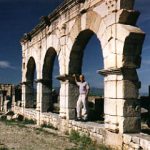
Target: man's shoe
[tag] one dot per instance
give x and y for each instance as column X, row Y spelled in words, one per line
column 78, row 119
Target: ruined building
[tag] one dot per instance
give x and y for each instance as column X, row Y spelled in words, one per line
column 64, row 33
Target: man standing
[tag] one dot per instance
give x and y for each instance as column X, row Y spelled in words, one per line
column 82, row 100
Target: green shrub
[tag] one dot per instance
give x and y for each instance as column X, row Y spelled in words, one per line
column 28, row 121
column 49, row 125
column 84, row 142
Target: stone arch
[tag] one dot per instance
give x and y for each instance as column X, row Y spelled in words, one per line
column 30, row 81
column 48, row 66
column 47, row 83
column 121, row 43
column 114, row 23
column 30, row 69
column 76, row 62
column 76, row 55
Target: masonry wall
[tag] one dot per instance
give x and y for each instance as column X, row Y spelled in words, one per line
column 95, row 131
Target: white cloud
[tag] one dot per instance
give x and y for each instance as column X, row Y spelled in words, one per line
column 6, row 64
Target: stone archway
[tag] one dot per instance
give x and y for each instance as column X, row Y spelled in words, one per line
column 30, row 97
column 47, row 83
column 114, row 23
column 76, row 62
column 121, row 48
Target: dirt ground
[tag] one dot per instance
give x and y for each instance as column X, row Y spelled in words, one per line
column 28, row 138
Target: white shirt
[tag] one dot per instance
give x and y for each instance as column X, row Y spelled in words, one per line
column 83, row 87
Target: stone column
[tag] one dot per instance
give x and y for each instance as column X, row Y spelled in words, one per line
column 13, row 102
column 5, row 104
column 121, row 107
column 63, row 70
column 39, row 102
column 44, row 100
column 13, row 98
column 68, row 99
column 72, row 100
column 63, row 98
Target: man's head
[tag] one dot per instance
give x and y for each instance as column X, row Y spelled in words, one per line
column 82, row 78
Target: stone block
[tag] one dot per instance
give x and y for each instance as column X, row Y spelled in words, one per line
column 110, row 107
column 105, row 38
column 111, row 123
column 63, row 40
column 125, row 31
column 70, row 24
column 83, row 21
column 144, row 143
column 122, row 16
column 133, row 61
column 70, row 113
column 114, row 46
column 135, row 146
column 110, row 89
column 110, row 77
column 102, row 29
column 127, row 89
column 129, row 124
column 113, row 139
column 127, row 139
column 120, row 4
column 9, row 117
column 128, row 108
column 101, row 10
column 110, row 61
column 122, row 108
column 136, row 139
column 75, row 29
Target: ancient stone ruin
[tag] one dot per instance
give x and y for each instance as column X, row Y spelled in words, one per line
column 64, row 34
column 9, row 95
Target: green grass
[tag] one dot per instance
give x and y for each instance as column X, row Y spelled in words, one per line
column 49, row 125
column 84, row 142
column 3, row 148
column 18, row 123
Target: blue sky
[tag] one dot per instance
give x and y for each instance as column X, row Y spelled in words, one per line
column 20, row 16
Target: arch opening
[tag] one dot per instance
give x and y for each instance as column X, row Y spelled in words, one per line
column 31, row 88
column 86, row 58
column 50, row 86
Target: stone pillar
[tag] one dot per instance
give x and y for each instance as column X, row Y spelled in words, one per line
column 63, row 60
column 13, row 98
column 72, row 100
column 63, row 98
column 121, row 107
column 39, row 102
column 68, row 99
column 44, row 99
column 13, row 102
column 5, row 107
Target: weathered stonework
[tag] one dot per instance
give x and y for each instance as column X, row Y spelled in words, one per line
column 64, row 34
column 7, row 95
column 97, row 132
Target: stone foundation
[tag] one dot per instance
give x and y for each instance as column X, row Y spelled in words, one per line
column 95, row 131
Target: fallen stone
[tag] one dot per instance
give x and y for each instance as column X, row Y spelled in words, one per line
column 20, row 117
column 10, row 113
column 9, row 117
